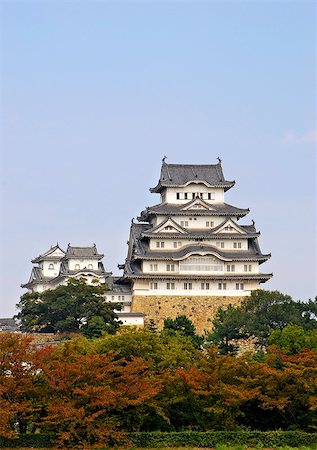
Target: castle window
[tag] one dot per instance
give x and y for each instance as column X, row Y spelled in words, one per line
column 193, row 195
column 170, row 286
column 160, row 244
column 77, row 266
column 122, row 297
column 231, row 268
column 221, row 244
column 153, row 285
column 177, row 196
column 153, row 267
column 240, row 286
column 188, row 286
column 201, row 264
column 211, row 196
column 209, row 224
column 184, row 223
column 51, row 267
column 248, row 267
column 222, row 286
column 237, row 245
column 175, row 244
column 185, row 195
column 170, row 267
column 90, row 266
column 204, row 286
column 112, row 298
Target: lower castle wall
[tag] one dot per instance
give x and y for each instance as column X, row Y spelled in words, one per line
column 200, row 310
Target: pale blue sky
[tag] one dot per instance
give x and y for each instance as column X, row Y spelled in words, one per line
column 94, row 94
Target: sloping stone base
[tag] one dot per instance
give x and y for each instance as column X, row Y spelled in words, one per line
column 200, row 310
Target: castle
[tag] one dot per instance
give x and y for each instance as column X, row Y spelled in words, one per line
column 187, row 255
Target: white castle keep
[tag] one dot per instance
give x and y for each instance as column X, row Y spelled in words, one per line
column 189, row 245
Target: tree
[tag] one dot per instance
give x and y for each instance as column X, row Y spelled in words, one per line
column 258, row 315
column 184, row 327
column 88, row 395
column 75, row 307
column 293, row 339
column 19, row 389
column 228, row 326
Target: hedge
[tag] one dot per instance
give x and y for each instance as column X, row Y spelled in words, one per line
column 29, row 440
column 213, row 438
column 271, row 439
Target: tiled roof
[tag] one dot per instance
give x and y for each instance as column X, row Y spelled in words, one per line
column 173, row 175
column 118, row 286
column 217, row 209
column 249, row 231
column 82, row 252
column 238, row 255
column 139, row 248
column 48, row 255
column 8, row 324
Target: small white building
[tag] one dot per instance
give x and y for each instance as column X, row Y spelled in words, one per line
column 54, row 267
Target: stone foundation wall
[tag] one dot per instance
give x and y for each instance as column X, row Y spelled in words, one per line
column 200, row 310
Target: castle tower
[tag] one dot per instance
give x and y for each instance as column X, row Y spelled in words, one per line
column 56, row 266
column 189, row 255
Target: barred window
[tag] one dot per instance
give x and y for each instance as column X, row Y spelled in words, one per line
column 201, row 264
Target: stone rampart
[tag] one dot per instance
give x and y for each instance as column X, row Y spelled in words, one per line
column 200, row 310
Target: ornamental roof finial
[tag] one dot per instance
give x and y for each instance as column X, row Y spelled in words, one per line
column 219, row 159
column 163, row 160
column 253, row 223
column 132, row 220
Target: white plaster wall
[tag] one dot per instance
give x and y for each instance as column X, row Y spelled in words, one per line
column 51, row 273
column 198, row 222
column 196, row 289
column 239, row 267
column 130, row 321
column 169, row 244
column 83, row 263
column 119, row 298
column 161, row 266
column 170, row 193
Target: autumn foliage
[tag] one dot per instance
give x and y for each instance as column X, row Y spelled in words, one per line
column 90, row 393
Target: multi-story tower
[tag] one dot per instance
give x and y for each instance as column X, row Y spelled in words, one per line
column 189, row 255
column 56, row 266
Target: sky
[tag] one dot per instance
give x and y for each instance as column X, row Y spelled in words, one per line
column 94, row 94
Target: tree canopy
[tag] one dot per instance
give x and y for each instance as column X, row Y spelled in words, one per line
column 74, row 307
column 184, row 327
column 258, row 315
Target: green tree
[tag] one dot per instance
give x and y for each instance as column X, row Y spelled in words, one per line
column 75, row 307
column 258, row 315
column 228, row 326
column 184, row 327
column 293, row 339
